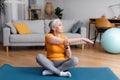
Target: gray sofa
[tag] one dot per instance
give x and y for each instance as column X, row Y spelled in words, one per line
column 38, row 28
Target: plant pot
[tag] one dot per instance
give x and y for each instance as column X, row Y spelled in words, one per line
column 59, row 16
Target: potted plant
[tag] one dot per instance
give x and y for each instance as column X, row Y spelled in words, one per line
column 58, row 12
column 2, row 7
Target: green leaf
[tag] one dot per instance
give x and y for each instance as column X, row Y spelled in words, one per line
column 58, row 10
column 2, row 7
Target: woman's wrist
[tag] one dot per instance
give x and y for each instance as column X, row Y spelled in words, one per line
column 66, row 47
column 82, row 39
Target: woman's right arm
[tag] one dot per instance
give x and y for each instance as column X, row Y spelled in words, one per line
column 57, row 40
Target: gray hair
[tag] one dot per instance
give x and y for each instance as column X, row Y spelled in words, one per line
column 53, row 24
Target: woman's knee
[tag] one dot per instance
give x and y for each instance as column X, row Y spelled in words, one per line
column 74, row 60
column 39, row 57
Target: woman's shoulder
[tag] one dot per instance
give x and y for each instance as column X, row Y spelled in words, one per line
column 48, row 35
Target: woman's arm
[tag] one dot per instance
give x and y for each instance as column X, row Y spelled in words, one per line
column 57, row 40
column 68, row 51
column 73, row 40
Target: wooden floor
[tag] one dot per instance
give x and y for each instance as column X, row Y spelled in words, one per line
column 89, row 57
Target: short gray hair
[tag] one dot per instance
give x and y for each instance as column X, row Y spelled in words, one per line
column 53, row 22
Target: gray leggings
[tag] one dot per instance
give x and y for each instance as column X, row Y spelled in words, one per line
column 56, row 66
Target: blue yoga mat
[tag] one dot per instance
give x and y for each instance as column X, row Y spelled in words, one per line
column 8, row 72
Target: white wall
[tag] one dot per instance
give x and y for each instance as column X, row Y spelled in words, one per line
column 85, row 9
column 40, row 4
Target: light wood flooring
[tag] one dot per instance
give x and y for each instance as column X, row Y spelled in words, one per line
column 89, row 57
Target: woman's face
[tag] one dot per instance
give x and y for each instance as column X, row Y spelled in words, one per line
column 59, row 27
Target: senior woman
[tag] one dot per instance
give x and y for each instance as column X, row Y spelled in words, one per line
column 59, row 59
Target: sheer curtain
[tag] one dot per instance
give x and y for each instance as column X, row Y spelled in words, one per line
column 16, row 10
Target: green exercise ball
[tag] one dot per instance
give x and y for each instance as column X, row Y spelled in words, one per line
column 110, row 40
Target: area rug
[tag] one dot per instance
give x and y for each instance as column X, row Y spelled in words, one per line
column 8, row 72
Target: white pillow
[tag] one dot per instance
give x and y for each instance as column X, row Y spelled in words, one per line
column 12, row 28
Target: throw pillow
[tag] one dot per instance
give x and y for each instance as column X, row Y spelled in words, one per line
column 22, row 28
column 12, row 28
column 76, row 27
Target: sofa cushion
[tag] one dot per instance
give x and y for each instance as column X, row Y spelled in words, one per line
column 12, row 28
column 67, row 25
column 36, row 26
column 22, row 28
column 72, row 35
column 76, row 26
column 27, row 38
column 46, row 28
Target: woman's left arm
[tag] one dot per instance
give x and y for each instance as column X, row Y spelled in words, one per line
column 67, row 43
column 68, row 51
column 67, row 48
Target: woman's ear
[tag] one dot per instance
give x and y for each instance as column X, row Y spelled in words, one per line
column 53, row 28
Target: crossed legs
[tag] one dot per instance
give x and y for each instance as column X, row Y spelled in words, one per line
column 56, row 67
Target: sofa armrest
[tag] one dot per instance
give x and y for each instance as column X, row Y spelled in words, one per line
column 83, row 32
column 6, row 34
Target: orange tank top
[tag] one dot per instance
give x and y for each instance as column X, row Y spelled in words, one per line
column 55, row 51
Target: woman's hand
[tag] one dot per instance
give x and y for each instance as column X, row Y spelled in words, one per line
column 88, row 41
column 66, row 42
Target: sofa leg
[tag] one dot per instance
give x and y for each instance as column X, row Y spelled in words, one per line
column 7, row 51
column 83, row 46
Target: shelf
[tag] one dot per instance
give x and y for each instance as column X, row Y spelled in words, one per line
column 35, row 14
